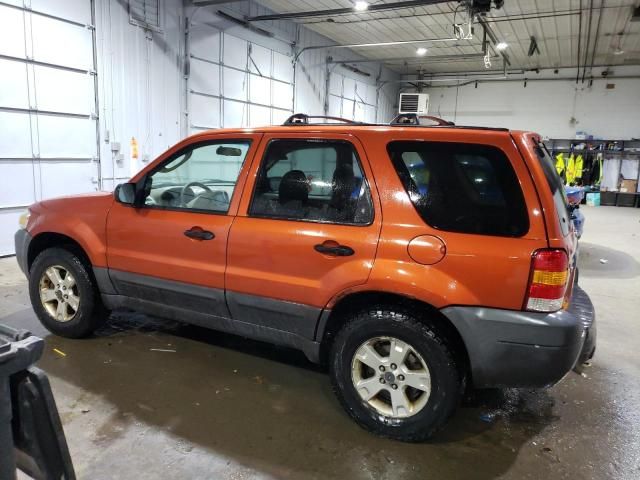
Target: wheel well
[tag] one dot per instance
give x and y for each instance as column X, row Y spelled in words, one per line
column 425, row 312
column 49, row 239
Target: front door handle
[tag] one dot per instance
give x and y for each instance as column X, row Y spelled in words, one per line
column 334, row 248
column 198, row 233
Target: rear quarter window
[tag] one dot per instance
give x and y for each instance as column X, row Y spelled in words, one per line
column 555, row 185
column 462, row 187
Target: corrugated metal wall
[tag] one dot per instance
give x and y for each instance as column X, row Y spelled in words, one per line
column 139, row 85
column 160, row 86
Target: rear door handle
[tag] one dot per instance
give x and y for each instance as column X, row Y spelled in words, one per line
column 198, row 233
column 333, row 248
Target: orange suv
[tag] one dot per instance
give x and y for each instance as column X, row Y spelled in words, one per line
column 413, row 260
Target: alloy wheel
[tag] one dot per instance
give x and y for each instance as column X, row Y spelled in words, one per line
column 59, row 293
column 391, row 377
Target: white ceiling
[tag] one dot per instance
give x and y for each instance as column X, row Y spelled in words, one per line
column 554, row 23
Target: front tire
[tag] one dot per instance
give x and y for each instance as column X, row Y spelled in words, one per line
column 395, row 374
column 64, row 295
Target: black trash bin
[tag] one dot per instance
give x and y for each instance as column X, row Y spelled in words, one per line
column 31, row 435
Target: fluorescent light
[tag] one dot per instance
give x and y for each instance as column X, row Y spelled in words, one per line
column 360, row 6
column 501, row 46
column 421, row 51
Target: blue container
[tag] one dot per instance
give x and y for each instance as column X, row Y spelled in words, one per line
column 574, row 194
column 593, row 199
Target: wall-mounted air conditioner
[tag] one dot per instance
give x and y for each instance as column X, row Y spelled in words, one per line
column 417, row 103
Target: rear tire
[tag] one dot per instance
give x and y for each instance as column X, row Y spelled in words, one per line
column 64, row 295
column 397, row 410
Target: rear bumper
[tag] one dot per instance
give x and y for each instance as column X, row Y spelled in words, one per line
column 525, row 349
column 582, row 308
column 22, row 240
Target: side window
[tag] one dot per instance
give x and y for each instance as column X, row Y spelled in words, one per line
column 313, row 180
column 556, row 186
column 462, row 187
column 202, row 178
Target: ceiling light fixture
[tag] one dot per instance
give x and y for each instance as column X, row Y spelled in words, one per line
column 360, row 6
column 501, row 46
column 421, row 51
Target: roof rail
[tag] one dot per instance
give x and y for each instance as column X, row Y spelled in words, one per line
column 303, row 119
column 414, row 119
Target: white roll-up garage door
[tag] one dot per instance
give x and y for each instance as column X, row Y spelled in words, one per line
column 48, row 135
column 235, row 83
column 352, row 99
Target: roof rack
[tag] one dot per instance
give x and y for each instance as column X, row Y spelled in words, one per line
column 414, row 119
column 303, row 119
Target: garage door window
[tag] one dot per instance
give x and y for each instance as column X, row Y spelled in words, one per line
column 462, row 187
column 319, row 181
column 202, row 178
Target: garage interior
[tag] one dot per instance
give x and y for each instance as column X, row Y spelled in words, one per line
column 92, row 91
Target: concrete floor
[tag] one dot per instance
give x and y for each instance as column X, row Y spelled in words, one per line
column 225, row 407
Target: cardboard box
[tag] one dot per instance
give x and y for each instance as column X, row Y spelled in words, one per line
column 629, row 186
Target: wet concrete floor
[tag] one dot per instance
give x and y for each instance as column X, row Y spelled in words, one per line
column 223, row 407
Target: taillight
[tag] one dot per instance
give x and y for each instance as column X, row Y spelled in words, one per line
column 548, row 281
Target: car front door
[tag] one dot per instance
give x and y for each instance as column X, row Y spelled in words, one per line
column 171, row 250
column 307, row 229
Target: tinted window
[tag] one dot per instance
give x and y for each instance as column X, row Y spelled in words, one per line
column 462, row 187
column 201, row 178
column 312, row 180
column 555, row 185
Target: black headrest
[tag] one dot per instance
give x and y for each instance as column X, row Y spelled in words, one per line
column 343, row 185
column 293, row 186
column 343, row 172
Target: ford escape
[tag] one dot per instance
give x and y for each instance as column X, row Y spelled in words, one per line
column 414, row 261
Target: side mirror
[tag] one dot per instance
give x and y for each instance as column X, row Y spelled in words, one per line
column 125, row 193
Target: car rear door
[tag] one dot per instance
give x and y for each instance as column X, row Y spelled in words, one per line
column 172, row 250
column 307, row 229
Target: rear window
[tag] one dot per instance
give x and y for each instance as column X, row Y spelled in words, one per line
column 555, row 184
column 462, row 187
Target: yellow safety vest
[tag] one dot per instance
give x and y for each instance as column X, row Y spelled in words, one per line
column 571, row 169
column 578, row 167
column 560, row 163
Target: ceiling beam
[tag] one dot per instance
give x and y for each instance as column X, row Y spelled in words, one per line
column 426, row 59
column 205, row 3
column 375, row 44
column 492, row 36
column 341, row 11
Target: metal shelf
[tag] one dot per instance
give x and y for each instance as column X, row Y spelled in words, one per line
column 607, row 154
